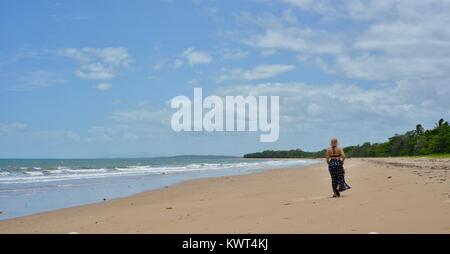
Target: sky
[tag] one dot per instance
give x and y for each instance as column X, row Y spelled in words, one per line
column 89, row 79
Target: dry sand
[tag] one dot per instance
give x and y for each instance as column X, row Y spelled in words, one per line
column 387, row 196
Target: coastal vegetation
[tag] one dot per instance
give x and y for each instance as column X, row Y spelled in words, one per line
column 417, row 142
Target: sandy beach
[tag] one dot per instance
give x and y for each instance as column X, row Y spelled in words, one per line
column 389, row 195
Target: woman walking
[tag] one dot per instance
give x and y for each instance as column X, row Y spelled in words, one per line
column 335, row 160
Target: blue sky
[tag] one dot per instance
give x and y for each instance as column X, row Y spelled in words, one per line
column 93, row 78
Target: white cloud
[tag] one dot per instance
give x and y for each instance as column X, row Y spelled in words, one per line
column 401, row 47
column 132, row 125
column 103, row 86
column 98, row 63
column 177, row 63
column 236, row 54
column 194, row 57
column 35, row 80
column 160, row 65
column 189, row 56
column 393, row 40
column 257, row 73
column 11, row 127
column 365, row 10
column 350, row 109
column 324, row 7
column 96, row 71
column 296, row 38
column 371, row 10
column 194, row 83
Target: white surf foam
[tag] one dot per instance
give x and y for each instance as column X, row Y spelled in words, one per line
column 66, row 173
column 34, row 173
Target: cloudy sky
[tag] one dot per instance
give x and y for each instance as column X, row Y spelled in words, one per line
column 94, row 78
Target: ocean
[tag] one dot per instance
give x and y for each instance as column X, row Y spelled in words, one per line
column 29, row 186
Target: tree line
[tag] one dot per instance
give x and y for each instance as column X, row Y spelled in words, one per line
column 414, row 142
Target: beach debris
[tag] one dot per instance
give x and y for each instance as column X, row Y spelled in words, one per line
column 73, row 233
column 169, row 208
column 287, row 204
column 389, row 177
column 373, row 233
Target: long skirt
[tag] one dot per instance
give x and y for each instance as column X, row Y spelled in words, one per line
column 337, row 175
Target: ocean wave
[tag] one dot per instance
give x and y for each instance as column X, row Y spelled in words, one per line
column 48, row 178
column 55, row 171
column 67, row 173
column 82, row 171
column 34, row 173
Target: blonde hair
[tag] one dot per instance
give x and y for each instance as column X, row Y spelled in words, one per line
column 334, row 142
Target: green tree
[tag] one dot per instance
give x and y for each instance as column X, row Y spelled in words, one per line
column 414, row 142
column 419, row 129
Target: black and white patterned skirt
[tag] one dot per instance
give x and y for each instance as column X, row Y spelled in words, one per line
column 337, row 175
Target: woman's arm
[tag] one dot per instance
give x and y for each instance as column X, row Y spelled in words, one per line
column 328, row 156
column 342, row 155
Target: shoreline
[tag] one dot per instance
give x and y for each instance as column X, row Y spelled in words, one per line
column 387, row 194
column 136, row 185
column 183, row 182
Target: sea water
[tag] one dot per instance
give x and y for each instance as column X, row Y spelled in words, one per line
column 29, row 186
